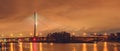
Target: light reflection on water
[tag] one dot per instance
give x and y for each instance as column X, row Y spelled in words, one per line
column 21, row 46
column 105, row 46
column 102, row 46
column 115, row 47
column 41, row 47
column 34, row 47
column 84, row 47
column 95, row 47
column 31, row 47
column 11, row 46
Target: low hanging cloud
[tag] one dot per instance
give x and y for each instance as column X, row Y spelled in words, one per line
column 68, row 15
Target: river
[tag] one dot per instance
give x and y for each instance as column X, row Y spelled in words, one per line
column 101, row 46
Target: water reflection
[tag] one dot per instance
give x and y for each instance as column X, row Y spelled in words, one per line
column 31, row 47
column 95, row 47
column 3, row 47
column 84, row 47
column 11, row 46
column 34, row 47
column 21, row 47
column 74, row 49
column 41, row 47
column 105, row 48
column 115, row 47
column 51, row 44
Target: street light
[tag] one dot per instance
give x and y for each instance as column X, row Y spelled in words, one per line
column 21, row 34
column 11, row 35
column 105, row 34
column 84, row 34
column 2, row 35
column 95, row 34
column 73, row 33
column 31, row 34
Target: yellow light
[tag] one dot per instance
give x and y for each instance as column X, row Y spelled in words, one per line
column 95, row 47
column 105, row 47
column 105, row 34
column 95, row 33
column 74, row 49
column 21, row 34
column 84, row 34
column 31, row 47
column 21, row 47
column 31, row 34
column 84, row 47
column 51, row 44
column 11, row 46
column 36, row 34
column 41, row 47
column 11, row 35
column 2, row 35
column 40, row 34
column 73, row 33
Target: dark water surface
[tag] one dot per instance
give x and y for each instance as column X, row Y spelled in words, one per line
column 101, row 46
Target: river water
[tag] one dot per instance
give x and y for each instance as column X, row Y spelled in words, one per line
column 101, row 46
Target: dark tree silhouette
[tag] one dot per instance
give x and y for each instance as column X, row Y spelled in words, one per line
column 112, row 37
column 118, row 36
column 59, row 37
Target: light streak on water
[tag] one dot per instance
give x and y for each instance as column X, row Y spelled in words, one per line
column 11, row 47
column 34, row 47
column 95, row 47
column 74, row 49
column 2, row 47
column 41, row 46
column 84, row 47
column 105, row 46
column 115, row 47
column 21, row 46
column 31, row 47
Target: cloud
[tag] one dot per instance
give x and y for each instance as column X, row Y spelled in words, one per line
column 78, row 15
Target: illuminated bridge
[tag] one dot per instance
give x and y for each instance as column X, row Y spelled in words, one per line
column 44, row 39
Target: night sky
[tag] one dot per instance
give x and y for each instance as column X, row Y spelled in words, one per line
column 57, row 15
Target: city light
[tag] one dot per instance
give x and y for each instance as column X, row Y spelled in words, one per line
column 59, row 25
column 2, row 35
column 21, row 46
column 40, row 34
column 31, row 46
column 84, row 34
column 105, row 34
column 21, row 34
column 11, row 47
column 31, row 34
column 73, row 33
column 95, row 48
column 105, row 46
column 41, row 46
column 95, row 34
column 34, row 39
column 84, row 47
column 51, row 44
column 74, row 49
column 11, row 35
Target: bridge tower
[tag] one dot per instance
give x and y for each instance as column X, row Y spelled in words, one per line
column 35, row 23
